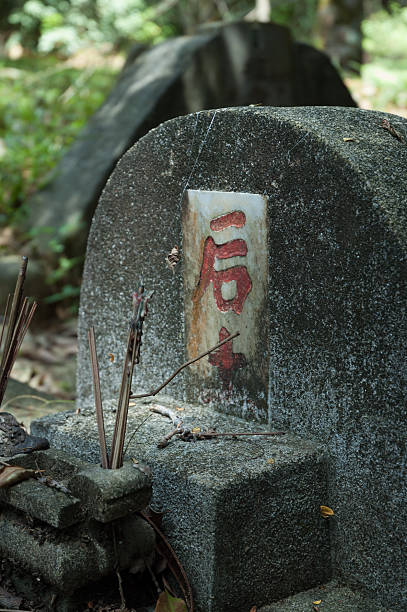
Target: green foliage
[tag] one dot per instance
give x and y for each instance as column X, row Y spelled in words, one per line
column 43, row 105
column 385, row 44
column 385, row 34
column 64, row 26
column 299, row 17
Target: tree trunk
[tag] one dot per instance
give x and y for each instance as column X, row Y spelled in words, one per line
column 339, row 25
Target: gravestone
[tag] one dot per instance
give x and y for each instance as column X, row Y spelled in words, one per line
column 321, row 312
column 225, row 65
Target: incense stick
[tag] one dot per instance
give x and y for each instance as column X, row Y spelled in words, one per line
column 17, row 318
column 98, row 399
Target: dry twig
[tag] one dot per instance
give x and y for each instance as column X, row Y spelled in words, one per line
column 169, row 554
column 187, row 435
column 184, row 365
column 386, row 125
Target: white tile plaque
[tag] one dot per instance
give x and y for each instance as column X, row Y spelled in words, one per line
column 225, row 248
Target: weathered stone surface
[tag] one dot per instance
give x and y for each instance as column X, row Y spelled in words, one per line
column 333, row 597
column 69, row 561
column 111, row 494
column 225, row 65
column 242, row 514
column 337, row 190
column 14, row 439
column 44, row 503
column 105, row 495
column 47, row 530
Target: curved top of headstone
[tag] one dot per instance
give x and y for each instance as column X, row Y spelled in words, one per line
column 230, row 64
column 336, row 186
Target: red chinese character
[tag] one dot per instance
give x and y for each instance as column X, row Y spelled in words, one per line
column 238, row 274
column 225, row 359
column 237, row 218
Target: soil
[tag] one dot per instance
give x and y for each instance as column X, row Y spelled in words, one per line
column 47, row 363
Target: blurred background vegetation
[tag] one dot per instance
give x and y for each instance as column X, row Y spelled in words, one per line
column 60, row 58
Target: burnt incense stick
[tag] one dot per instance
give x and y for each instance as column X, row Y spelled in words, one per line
column 17, row 318
column 140, row 309
column 98, row 399
column 15, row 308
column 3, row 326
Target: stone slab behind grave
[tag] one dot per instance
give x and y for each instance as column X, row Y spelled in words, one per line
column 225, row 65
column 336, row 187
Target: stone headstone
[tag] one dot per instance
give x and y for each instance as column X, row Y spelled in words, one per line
column 225, row 65
column 332, row 335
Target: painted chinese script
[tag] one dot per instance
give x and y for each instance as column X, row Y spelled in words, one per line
column 239, row 274
column 224, row 358
column 226, row 279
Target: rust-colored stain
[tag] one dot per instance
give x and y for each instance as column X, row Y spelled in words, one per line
column 222, row 294
column 197, row 321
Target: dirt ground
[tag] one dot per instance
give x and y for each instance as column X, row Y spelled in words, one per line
column 46, row 362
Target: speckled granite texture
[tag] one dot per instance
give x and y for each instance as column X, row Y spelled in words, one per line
column 337, row 188
column 242, row 514
column 331, row 597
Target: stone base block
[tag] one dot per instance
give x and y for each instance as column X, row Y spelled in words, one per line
column 60, row 530
column 331, row 597
column 242, row 513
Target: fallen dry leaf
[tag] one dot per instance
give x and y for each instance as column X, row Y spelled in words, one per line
column 9, row 600
column 179, row 408
column 270, row 461
column 348, row 140
column 317, row 602
column 167, row 603
column 196, row 430
column 12, row 474
column 388, row 126
column 326, row 511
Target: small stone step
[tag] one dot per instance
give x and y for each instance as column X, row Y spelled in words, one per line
column 331, row 597
column 243, row 513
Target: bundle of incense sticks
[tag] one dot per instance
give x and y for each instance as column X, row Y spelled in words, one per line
column 17, row 318
column 140, row 302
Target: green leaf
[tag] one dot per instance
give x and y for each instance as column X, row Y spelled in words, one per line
column 167, row 603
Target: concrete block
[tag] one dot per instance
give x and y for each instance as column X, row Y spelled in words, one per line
column 61, row 531
column 241, row 513
column 111, row 494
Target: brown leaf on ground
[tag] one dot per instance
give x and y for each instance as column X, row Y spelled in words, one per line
column 167, row 603
column 326, row 511
column 12, row 474
column 9, row 600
